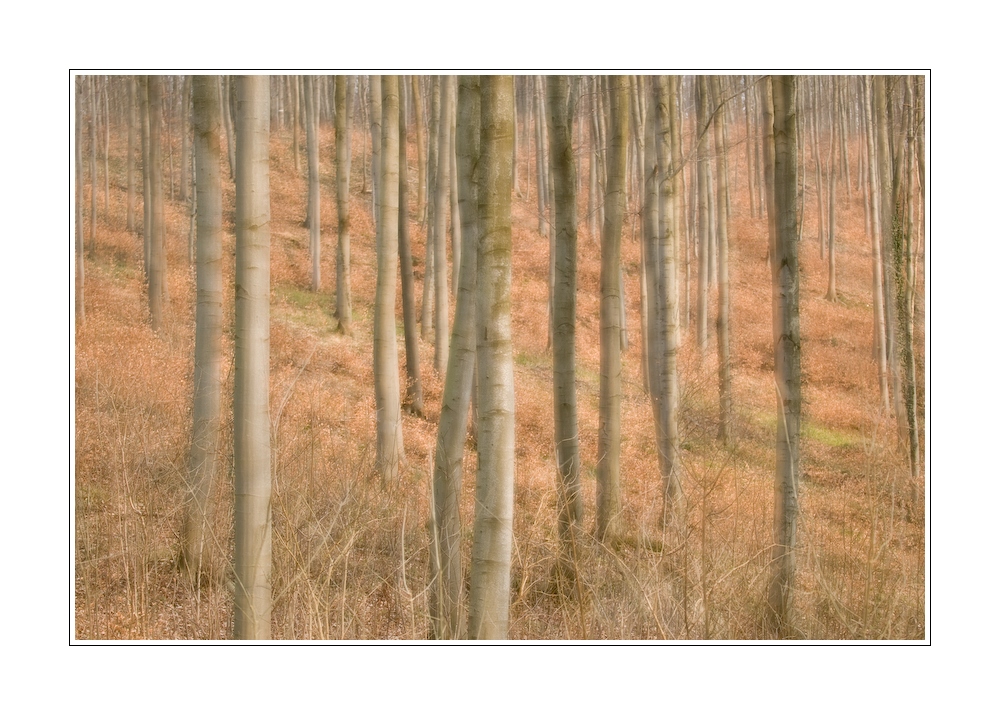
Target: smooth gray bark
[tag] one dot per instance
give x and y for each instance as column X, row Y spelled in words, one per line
column 492, row 538
column 312, row 152
column 208, row 326
column 787, row 356
column 251, row 415
column 567, row 437
column 722, row 324
column 414, row 401
column 446, row 562
column 441, row 208
column 156, row 252
column 343, row 125
column 81, row 314
column 388, row 420
column 609, row 433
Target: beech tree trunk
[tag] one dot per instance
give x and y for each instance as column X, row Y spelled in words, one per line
column 414, row 401
column 343, row 124
column 446, row 562
column 492, row 538
column 208, row 327
column 388, row 420
column 701, row 102
column 426, row 308
column 722, row 324
column 81, row 314
column 609, row 435
column 130, row 159
column 418, row 119
column 312, row 151
column 441, row 208
column 251, row 417
column 787, row 356
column 156, row 252
column 567, row 439
column 185, row 178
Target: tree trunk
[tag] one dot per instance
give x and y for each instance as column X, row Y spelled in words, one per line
column 389, row 425
column 722, row 325
column 787, row 356
column 81, row 314
column 107, row 146
column 704, row 249
column 343, row 123
column 414, row 401
column 251, row 419
column 130, row 159
column 426, row 308
column 146, row 201
column 492, row 538
column 312, row 151
column 418, row 119
column 208, row 327
column 225, row 98
column 609, row 435
column 446, row 562
column 92, row 86
column 156, row 253
column 878, row 299
column 569, row 497
column 296, row 103
column 441, row 208
column 185, row 144
column 831, row 280
column 375, row 109
column 456, row 222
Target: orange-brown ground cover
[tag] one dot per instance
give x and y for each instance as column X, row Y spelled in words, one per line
column 350, row 554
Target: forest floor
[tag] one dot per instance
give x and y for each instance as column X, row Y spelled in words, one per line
column 350, row 555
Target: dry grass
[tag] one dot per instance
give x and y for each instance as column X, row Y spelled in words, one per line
column 350, row 557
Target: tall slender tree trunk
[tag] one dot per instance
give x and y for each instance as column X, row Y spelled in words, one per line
column 701, row 106
column 831, row 280
column 426, row 308
column 312, row 151
column 196, row 548
column 456, row 222
column 143, row 87
column 389, row 424
column 569, row 497
column 787, row 356
column 722, row 324
column 107, row 145
column 418, row 126
column 882, row 108
column 81, row 314
column 375, row 109
column 225, row 98
column 414, row 400
column 92, row 86
column 130, row 159
column 156, row 252
column 185, row 131
column 252, row 425
column 343, row 125
column 492, row 538
column 441, row 207
column 446, row 563
column 296, row 104
column 609, row 434
column 878, row 298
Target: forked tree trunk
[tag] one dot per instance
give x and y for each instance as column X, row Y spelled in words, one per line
column 156, row 252
column 492, row 538
column 388, row 420
column 787, row 356
column 609, row 434
column 446, row 563
column 569, row 497
column 208, row 328
column 344, row 93
column 252, row 426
